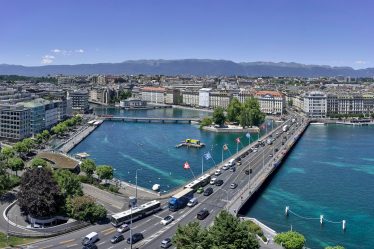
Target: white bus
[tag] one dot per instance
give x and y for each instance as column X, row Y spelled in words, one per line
column 199, row 182
column 136, row 213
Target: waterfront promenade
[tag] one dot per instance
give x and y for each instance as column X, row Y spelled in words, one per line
column 76, row 138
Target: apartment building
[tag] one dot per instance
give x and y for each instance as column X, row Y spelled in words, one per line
column 190, row 98
column 219, row 99
column 271, row 102
column 153, row 94
column 79, row 101
column 315, row 104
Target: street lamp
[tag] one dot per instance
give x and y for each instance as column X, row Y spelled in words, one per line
column 136, row 184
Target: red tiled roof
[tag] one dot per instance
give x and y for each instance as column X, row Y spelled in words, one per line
column 153, row 89
column 273, row 93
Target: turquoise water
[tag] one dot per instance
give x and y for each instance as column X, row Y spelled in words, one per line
column 151, row 147
column 330, row 172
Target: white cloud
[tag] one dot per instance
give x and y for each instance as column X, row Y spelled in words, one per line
column 47, row 59
column 56, row 50
column 79, row 51
column 360, row 62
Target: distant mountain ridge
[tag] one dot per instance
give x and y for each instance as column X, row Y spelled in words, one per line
column 198, row 67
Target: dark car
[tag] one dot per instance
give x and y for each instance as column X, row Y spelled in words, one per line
column 90, row 246
column 248, row 171
column 135, row 238
column 276, row 150
column 117, row 238
column 202, row 214
column 208, row 191
column 232, row 169
column 219, row 183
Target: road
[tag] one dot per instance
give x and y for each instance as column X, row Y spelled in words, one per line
column 150, row 226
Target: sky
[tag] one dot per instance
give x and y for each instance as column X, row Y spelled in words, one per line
column 323, row 32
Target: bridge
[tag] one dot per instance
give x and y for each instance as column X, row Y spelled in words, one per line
column 150, row 119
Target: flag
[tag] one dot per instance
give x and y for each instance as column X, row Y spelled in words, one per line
column 248, row 135
column 237, row 140
column 186, row 165
column 225, row 147
column 207, row 155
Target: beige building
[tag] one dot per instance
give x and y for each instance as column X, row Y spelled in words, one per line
column 153, row 94
column 219, row 99
column 190, row 98
column 271, row 102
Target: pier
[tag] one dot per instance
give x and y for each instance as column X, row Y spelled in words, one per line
column 150, row 119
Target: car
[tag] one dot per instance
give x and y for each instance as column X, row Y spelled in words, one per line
column 219, row 182
column 208, row 191
column 226, row 166
column 123, row 228
column 192, row 202
column 166, row 243
column 117, row 238
column 270, row 155
column 276, row 150
column 233, row 185
column 200, row 190
column 136, row 237
column 90, row 246
column 168, row 219
column 218, row 172
column 233, row 169
column 255, row 150
column 213, row 181
column 202, row 214
column 90, row 238
column 248, row 171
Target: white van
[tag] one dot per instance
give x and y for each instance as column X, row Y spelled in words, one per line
column 90, row 238
column 192, row 202
column 232, row 162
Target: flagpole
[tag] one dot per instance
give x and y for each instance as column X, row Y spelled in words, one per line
column 222, row 154
column 202, row 164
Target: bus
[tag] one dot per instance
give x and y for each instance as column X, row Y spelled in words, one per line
column 135, row 213
column 199, row 182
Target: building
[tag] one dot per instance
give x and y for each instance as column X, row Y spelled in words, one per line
column 315, row 104
column 204, row 97
column 271, row 102
column 79, row 101
column 173, row 97
column 12, row 95
column 132, row 103
column 190, row 98
column 350, row 104
column 14, row 122
column 221, row 99
column 153, row 94
column 103, row 95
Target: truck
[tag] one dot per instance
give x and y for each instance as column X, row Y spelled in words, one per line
column 180, row 199
column 285, row 128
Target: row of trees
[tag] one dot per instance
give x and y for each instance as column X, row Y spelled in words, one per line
column 246, row 114
column 66, row 125
column 45, row 193
column 227, row 232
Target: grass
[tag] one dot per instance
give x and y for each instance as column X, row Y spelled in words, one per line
column 14, row 241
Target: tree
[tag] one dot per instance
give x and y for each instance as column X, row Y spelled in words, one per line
column 8, row 152
column 219, row 116
column 228, row 232
column 191, row 236
column 68, row 183
column 39, row 138
column 20, row 147
column 16, row 163
column 84, row 208
column 251, row 113
column 39, row 194
column 334, row 247
column 45, row 135
column 290, row 240
column 37, row 161
column 28, row 143
column 105, row 172
column 206, row 122
column 233, row 110
column 88, row 166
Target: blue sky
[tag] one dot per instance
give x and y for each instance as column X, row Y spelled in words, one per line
column 328, row 32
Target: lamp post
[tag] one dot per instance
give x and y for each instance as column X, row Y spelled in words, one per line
column 136, row 184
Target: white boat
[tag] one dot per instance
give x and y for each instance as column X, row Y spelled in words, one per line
column 156, row 187
column 317, row 123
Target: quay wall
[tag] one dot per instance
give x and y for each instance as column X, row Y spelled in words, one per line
column 73, row 141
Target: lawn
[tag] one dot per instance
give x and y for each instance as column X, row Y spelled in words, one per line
column 13, row 241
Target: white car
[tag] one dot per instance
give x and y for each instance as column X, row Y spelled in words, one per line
column 226, row 166
column 213, row 181
column 218, row 172
column 123, row 228
column 168, row 219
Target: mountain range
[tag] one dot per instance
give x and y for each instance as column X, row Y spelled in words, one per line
column 198, row 67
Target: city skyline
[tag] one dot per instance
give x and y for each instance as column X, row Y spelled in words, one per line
column 335, row 33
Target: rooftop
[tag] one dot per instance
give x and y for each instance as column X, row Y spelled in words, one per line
column 59, row 161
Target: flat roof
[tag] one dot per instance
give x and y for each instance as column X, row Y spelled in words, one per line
column 58, row 160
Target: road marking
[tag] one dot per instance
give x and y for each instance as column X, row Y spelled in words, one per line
column 110, row 231
column 148, row 220
column 66, row 241
column 143, row 231
column 157, row 216
column 71, row 245
column 101, row 243
column 46, row 247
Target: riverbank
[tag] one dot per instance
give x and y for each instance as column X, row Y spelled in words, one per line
column 76, row 138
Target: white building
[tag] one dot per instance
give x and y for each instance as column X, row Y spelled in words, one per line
column 271, row 102
column 190, row 98
column 315, row 104
column 204, row 97
column 219, row 99
column 153, row 94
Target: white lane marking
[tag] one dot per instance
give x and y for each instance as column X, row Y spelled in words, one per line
column 101, row 243
column 143, row 231
column 158, row 216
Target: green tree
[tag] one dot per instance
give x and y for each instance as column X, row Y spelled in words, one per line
column 334, row 247
column 84, row 208
column 20, row 147
column 233, row 110
column 68, row 182
column 219, row 116
column 88, row 166
column 290, row 240
column 45, row 135
column 191, row 236
column 39, row 138
column 39, row 194
column 104, row 172
column 37, row 161
column 228, row 232
column 251, row 113
column 29, row 143
column 16, row 163
column 206, row 122
column 8, row 152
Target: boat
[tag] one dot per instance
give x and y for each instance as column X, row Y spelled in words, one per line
column 156, row 187
column 191, row 143
column 317, row 123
